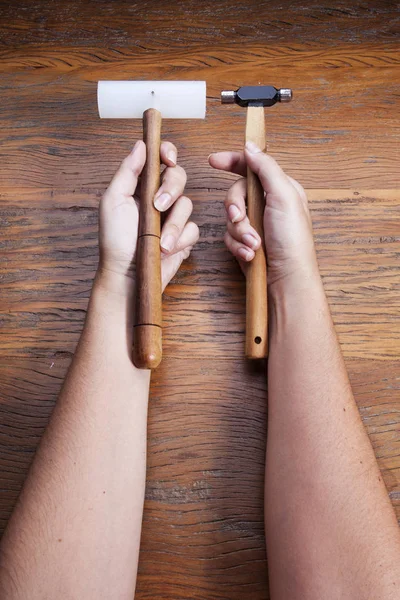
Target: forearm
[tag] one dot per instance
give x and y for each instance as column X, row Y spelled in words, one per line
column 326, row 504
column 76, row 530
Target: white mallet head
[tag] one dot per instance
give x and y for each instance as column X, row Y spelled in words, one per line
column 129, row 99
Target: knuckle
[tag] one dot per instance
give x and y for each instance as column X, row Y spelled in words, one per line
column 227, row 201
column 174, row 229
column 178, row 170
column 194, row 231
column 178, row 258
column 183, row 174
column 184, row 253
column 168, row 144
column 188, row 203
column 237, row 192
column 172, row 147
column 238, row 186
column 239, row 228
column 174, row 177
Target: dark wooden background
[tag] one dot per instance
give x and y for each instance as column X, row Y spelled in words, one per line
column 203, row 523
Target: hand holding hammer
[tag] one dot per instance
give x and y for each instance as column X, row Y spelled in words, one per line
column 150, row 101
column 256, row 98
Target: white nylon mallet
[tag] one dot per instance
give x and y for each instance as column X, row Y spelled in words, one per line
column 152, row 101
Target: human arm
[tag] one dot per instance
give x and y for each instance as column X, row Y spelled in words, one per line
column 331, row 531
column 75, row 531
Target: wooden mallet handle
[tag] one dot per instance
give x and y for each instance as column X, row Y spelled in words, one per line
column 147, row 339
column 256, row 279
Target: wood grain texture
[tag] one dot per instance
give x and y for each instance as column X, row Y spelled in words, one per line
column 147, row 339
column 203, row 530
column 149, row 218
column 50, row 125
column 153, row 24
column 256, row 344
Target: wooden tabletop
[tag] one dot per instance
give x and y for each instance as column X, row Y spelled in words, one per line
column 203, row 532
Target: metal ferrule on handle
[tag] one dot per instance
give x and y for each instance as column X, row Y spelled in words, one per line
column 147, row 344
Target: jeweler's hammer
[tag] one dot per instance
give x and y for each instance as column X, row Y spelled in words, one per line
column 256, row 98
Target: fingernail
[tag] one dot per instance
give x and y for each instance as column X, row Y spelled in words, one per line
column 252, row 147
column 171, row 155
column 167, row 242
column 162, row 202
column 246, row 254
column 250, row 240
column 135, row 146
column 233, row 213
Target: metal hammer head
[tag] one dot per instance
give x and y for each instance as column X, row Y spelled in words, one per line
column 256, row 95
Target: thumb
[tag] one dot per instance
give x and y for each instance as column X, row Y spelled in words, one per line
column 125, row 180
column 273, row 179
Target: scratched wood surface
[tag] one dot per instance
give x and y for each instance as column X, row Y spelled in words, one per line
column 203, row 523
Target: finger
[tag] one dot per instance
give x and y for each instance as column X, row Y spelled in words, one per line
column 170, row 265
column 239, row 250
column 173, row 184
column 168, row 153
column 243, row 232
column 125, row 180
column 235, row 201
column 229, row 161
column 175, row 223
column 190, row 235
column 273, row 179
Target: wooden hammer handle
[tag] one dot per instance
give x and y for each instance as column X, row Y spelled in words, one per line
column 256, row 279
column 147, row 345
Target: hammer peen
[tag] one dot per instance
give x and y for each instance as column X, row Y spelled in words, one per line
column 256, row 98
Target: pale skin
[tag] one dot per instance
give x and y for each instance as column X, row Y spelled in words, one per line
column 75, row 531
column 330, row 529
column 331, row 532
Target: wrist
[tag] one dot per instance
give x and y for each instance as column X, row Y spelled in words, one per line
column 113, row 298
column 113, row 283
column 111, row 313
column 296, row 279
column 293, row 298
column 109, row 325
